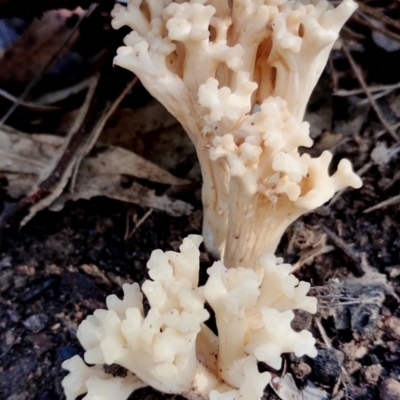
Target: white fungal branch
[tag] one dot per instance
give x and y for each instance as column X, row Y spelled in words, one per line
column 172, row 350
column 302, row 38
column 271, row 183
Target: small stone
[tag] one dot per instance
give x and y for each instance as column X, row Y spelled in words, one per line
column 5, row 262
column 360, row 352
column 66, row 352
column 394, row 272
column 9, row 338
column 353, row 350
column 389, row 389
column 301, row 321
column 301, row 370
column 372, row 374
column 352, row 366
column 40, row 341
column 327, row 366
column 393, row 346
column 115, row 370
column 35, row 323
column 393, row 328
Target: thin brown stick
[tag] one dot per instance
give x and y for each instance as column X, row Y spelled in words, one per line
column 26, row 104
column 340, row 244
column 49, row 63
column 372, row 89
column 376, row 96
column 373, row 12
column 323, row 333
column 361, row 80
column 365, row 21
column 140, row 222
column 383, row 131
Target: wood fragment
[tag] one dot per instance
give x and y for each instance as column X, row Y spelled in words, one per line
column 139, row 223
column 323, row 333
column 340, row 244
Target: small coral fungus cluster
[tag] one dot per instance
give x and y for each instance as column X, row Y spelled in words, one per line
column 237, row 74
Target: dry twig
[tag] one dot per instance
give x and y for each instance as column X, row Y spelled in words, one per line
column 50, row 62
column 372, row 89
column 139, row 223
column 388, row 202
column 373, row 12
column 340, row 244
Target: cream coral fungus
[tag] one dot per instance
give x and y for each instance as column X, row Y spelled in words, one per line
column 170, row 347
column 237, row 74
column 212, row 63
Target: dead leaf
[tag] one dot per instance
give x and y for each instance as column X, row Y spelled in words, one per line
column 88, row 186
column 286, row 389
column 35, row 48
column 26, row 159
column 152, row 133
column 115, row 160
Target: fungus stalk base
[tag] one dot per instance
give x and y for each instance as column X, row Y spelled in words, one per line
column 215, row 176
column 256, row 225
